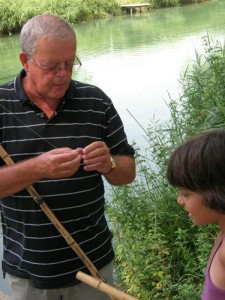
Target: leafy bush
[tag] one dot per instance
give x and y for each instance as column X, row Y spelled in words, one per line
column 14, row 13
column 160, row 254
column 165, row 3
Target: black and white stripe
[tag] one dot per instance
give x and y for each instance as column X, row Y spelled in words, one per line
column 33, row 248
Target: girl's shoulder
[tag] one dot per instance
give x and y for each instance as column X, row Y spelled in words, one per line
column 221, row 250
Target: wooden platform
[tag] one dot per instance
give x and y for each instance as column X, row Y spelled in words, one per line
column 133, row 7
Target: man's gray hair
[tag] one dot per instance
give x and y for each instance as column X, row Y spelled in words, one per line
column 48, row 25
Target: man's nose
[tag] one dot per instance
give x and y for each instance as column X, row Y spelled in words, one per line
column 61, row 70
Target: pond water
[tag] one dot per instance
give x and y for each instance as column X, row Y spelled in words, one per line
column 137, row 60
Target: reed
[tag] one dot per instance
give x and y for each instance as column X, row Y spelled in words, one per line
column 160, row 254
column 14, row 13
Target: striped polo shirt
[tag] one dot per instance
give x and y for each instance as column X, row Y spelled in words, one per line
column 33, row 248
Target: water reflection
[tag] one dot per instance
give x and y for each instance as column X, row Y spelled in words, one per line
column 138, row 60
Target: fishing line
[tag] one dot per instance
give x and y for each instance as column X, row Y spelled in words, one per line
column 26, row 126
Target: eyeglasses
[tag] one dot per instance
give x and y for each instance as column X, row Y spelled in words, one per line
column 55, row 69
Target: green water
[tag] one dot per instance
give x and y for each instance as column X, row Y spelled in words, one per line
column 137, row 60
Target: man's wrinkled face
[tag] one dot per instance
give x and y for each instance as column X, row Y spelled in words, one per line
column 49, row 71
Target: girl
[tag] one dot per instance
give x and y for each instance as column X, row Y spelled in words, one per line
column 197, row 169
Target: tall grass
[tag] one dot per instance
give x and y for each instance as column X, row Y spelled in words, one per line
column 14, row 13
column 160, row 254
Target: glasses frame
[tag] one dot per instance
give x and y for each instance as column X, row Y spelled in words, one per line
column 68, row 68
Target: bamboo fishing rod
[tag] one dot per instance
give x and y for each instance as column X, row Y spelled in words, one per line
column 103, row 287
column 113, row 293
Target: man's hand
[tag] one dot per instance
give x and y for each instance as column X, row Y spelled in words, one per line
column 96, row 156
column 58, row 163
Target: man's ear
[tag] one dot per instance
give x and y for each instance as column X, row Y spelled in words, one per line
column 24, row 61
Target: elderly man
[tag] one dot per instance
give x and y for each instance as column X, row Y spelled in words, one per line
column 63, row 136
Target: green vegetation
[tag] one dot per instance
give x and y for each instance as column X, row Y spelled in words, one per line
column 14, row 13
column 162, row 3
column 160, row 254
column 169, row 3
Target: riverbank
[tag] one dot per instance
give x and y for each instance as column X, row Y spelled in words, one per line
column 14, row 13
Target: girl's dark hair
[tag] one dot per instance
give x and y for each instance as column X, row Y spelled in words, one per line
column 199, row 165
